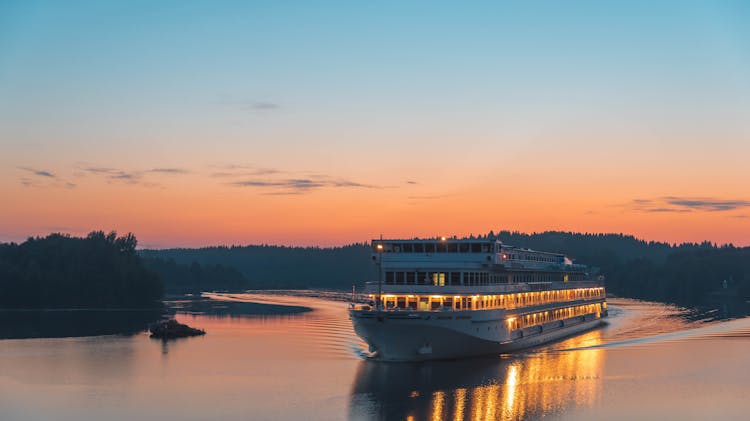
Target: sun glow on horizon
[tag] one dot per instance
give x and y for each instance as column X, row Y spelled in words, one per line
column 205, row 125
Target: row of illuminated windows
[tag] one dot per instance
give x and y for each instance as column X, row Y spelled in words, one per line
column 482, row 302
column 553, row 315
column 473, row 278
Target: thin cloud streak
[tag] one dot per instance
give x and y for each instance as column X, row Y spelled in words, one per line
column 132, row 177
column 40, row 173
column 242, row 170
column 673, row 204
column 301, row 185
column 114, row 174
column 251, row 105
column 169, row 171
column 37, row 178
column 708, row 204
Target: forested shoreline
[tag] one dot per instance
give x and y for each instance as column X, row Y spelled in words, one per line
column 106, row 271
column 680, row 273
column 59, row 271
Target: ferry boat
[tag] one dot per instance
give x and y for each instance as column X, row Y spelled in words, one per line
column 450, row 298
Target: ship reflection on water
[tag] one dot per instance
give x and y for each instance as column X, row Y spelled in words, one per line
column 514, row 387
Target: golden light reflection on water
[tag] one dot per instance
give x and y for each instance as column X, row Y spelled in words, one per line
column 501, row 388
column 438, row 399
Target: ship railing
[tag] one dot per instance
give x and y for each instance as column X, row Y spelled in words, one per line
column 416, row 289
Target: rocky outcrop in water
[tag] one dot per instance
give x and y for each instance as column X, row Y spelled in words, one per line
column 172, row 329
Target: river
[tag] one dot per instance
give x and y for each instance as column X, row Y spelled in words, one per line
column 651, row 361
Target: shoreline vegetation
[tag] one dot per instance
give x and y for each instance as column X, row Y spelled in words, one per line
column 105, row 271
column 59, row 271
column 685, row 274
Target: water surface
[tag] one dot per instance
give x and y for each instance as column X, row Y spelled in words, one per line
column 650, row 362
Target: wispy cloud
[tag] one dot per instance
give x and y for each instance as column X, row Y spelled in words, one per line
column 242, row 170
column 40, row 173
column 673, row 204
column 117, row 175
column 708, row 204
column 287, row 186
column 251, row 105
column 35, row 177
column 263, row 106
column 168, row 170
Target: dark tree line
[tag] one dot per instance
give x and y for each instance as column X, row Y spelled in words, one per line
column 282, row 267
column 689, row 276
column 100, row 270
column 682, row 273
column 687, row 273
column 194, row 277
column 103, row 270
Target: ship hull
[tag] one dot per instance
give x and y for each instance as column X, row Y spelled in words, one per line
column 420, row 340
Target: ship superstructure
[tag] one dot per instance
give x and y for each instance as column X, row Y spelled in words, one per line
column 448, row 298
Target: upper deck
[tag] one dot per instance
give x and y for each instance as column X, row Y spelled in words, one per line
column 466, row 254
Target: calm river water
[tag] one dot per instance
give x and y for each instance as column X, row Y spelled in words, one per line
column 649, row 362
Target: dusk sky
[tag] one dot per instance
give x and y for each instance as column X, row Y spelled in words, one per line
column 326, row 123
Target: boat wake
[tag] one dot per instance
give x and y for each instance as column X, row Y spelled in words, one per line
column 635, row 323
column 631, row 323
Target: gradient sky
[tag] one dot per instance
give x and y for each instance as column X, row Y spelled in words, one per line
column 198, row 123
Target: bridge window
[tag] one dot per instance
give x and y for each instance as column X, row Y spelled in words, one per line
column 429, row 248
column 463, row 247
column 476, row 248
column 455, row 278
column 452, row 248
column 399, row 277
column 441, row 248
column 410, row 277
column 438, row 279
column 408, row 248
column 389, row 277
column 418, row 248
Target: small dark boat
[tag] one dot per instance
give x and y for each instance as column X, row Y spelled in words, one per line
column 171, row 329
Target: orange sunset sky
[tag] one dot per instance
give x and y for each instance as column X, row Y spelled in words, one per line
column 194, row 125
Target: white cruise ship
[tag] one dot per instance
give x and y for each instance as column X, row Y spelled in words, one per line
column 450, row 298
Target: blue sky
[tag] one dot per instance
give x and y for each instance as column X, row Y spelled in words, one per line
column 359, row 89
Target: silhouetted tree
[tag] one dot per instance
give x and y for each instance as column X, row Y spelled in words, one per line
column 100, row 270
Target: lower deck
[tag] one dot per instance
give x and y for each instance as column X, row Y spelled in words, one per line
column 418, row 335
